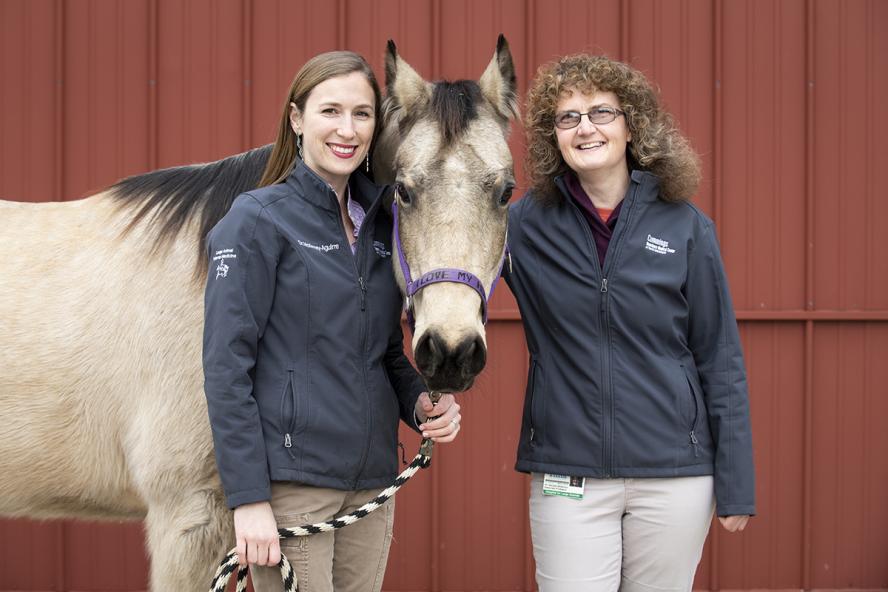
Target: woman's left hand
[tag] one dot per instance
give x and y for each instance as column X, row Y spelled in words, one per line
column 734, row 523
column 445, row 425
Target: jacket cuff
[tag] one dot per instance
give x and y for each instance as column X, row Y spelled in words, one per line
column 735, row 510
column 248, row 496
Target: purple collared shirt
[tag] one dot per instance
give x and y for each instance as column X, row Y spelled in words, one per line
column 601, row 231
column 357, row 214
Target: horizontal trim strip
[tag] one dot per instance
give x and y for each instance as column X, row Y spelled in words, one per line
column 760, row 315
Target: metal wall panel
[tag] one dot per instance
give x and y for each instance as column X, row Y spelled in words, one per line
column 783, row 99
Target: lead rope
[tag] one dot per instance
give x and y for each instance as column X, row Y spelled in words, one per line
column 421, row 461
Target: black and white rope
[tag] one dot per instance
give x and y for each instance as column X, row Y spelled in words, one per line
column 229, row 564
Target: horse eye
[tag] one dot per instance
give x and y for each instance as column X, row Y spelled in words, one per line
column 404, row 194
column 506, row 195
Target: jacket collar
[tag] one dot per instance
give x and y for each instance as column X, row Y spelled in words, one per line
column 315, row 190
column 647, row 182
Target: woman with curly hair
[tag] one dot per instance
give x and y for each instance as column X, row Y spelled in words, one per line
column 636, row 416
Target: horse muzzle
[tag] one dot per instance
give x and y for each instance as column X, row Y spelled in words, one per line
column 450, row 367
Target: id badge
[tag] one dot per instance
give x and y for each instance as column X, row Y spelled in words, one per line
column 563, row 485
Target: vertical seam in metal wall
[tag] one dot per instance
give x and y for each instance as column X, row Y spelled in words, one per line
column 776, row 78
column 247, row 74
column 685, row 69
column 214, row 81
column 776, row 134
column 340, row 24
column 152, row 85
column 807, row 502
column 119, row 124
column 624, row 30
column 184, row 145
column 748, row 144
column 90, row 120
column 841, row 373
column 842, row 303
column 435, row 21
column 869, row 192
column 655, row 45
column 26, row 116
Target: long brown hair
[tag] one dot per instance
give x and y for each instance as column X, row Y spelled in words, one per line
column 657, row 144
column 318, row 69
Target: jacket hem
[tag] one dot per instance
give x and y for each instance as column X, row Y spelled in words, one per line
column 284, row 474
column 527, row 466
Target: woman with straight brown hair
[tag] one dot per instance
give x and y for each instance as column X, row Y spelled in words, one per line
column 305, row 373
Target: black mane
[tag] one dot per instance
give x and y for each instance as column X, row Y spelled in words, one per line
column 173, row 196
column 454, row 106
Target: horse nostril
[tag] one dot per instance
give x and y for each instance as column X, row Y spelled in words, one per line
column 471, row 356
column 429, row 353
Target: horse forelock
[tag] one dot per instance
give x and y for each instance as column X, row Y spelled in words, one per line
column 453, row 106
column 168, row 200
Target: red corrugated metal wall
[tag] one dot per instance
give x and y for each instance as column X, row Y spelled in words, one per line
column 784, row 99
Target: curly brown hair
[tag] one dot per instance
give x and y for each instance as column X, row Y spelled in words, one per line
column 657, row 145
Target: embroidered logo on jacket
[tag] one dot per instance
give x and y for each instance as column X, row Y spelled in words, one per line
column 658, row 245
column 221, row 255
column 320, row 248
column 380, row 249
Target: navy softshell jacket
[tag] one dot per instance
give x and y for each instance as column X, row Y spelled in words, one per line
column 636, row 368
column 305, row 373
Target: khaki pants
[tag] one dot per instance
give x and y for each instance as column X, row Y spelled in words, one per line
column 625, row 534
column 351, row 559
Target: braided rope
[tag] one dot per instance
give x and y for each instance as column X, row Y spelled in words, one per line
column 229, row 564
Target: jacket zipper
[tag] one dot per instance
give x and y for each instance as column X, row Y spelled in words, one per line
column 365, row 322
column 607, row 424
column 533, row 369
column 608, row 427
column 290, row 391
column 694, row 442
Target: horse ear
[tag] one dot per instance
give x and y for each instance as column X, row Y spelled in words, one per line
column 402, row 83
column 498, row 84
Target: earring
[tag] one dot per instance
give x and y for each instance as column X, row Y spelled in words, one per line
column 299, row 146
column 368, row 162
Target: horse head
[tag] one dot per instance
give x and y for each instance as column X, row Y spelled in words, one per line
column 444, row 146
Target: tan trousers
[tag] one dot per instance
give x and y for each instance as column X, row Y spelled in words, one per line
column 351, row 559
column 632, row 535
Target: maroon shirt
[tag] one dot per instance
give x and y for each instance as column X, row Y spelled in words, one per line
column 601, row 231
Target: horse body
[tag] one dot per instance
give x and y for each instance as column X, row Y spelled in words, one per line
column 102, row 411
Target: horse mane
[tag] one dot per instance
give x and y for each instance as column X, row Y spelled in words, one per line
column 172, row 197
column 454, row 105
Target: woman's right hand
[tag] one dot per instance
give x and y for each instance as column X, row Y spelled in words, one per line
column 257, row 536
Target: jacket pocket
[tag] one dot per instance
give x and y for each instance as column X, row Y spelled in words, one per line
column 534, row 399
column 292, row 414
column 695, row 410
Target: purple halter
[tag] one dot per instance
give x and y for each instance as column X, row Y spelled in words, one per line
column 442, row 274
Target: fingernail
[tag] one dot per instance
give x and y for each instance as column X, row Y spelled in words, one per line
column 425, row 434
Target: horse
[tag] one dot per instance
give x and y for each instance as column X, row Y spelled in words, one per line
column 102, row 411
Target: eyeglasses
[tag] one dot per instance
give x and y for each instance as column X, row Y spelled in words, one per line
column 598, row 116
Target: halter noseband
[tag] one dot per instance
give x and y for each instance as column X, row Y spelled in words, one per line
column 442, row 274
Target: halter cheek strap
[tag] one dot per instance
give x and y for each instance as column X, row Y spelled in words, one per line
column 442, row 274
